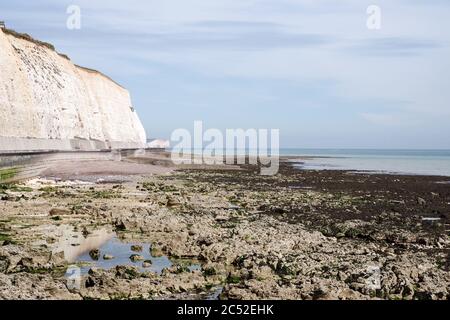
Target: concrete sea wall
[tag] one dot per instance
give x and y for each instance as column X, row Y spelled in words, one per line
column 16, row 166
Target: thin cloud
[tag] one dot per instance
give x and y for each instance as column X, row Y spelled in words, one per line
column 251, row 47
column 393, row 46
column 389, row 120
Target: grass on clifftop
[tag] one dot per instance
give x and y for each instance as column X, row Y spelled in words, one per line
column 27, row 37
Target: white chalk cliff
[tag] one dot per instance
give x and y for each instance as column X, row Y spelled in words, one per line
column 49, row 103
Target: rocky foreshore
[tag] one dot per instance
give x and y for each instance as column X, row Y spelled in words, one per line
column 228, row 234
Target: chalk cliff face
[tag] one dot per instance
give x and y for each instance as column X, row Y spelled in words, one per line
column 48, row 103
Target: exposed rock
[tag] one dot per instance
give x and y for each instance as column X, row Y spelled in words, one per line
column 59, row 212
column 58, row 258
column 127, row 272
column 206, row 241
column 85, row 232
column 421, row 201
column 147, row 264
column 156, row 250
column 222, row 218
column 94, row 271
column 92, row 281
column 384, row 249
column 120, row 225
column 136, row 257
column 173, row 202
column 136, row 248
column 94, row 254
column 4, row 264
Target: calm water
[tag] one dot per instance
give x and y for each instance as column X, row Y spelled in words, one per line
column 121, row 251
column 76, row 248
column 420, row 162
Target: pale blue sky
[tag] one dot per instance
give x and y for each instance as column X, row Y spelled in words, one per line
column 308, row 67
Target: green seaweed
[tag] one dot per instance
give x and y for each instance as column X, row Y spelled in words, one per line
column 209, row 272
column 14, row 187
column 5, row 237
column 234, row 279
column 103, row 194
column 8, row 173
column 48, row 189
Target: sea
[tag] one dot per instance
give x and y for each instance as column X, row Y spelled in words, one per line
column 388, row 161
